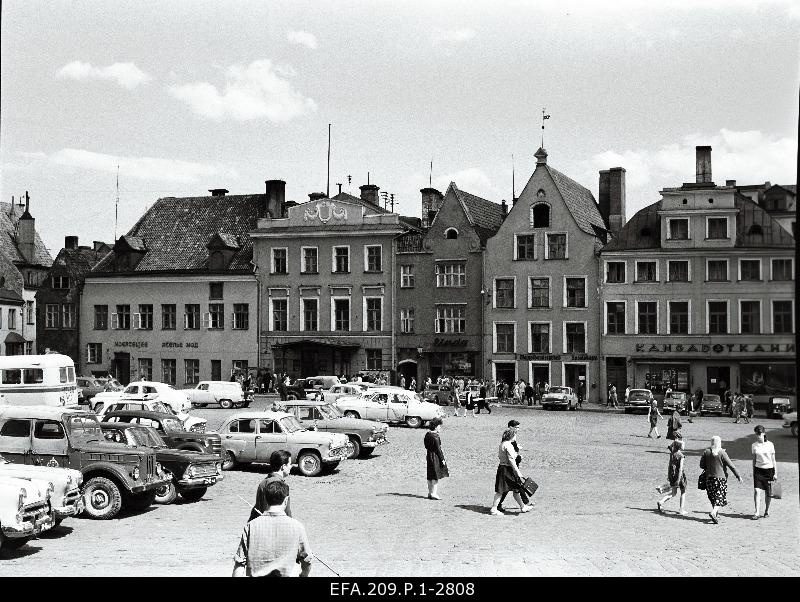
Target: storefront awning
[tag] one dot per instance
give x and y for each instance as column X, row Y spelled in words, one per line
column 321, row 341
column 14, row 337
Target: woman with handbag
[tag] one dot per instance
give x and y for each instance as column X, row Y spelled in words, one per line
column 715, row 464
column 508, row 477
column 765, row 469
column 434, row 458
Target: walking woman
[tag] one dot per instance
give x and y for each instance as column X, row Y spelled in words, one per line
column 715, row 462
column 434, row 458
column 653, row 415
column 674, row 425
column 765, row 469
column 676, row 476
column 508, row 477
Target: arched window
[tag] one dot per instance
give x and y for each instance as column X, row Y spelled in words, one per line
column 755, row 229
column 451, row 233
column 540, row 215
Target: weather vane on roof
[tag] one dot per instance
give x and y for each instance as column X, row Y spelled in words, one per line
column 543, row 118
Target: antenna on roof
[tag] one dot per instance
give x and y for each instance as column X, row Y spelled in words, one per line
column 339, row 184
column 430, row 175
column 543, row 118
column 116, row 208
column 328, row 189
column 367, row 177
column 513, row 185
column 391, row 200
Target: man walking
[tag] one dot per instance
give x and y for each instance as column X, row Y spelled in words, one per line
column 273, row 544
column 514, row 424
column 529, row 394
column 280, row 465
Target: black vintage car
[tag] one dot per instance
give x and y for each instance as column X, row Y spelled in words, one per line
column 192, row 472
column 170, row 429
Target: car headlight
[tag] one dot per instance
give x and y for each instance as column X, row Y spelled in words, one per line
column 190, row 472
column 135, row 473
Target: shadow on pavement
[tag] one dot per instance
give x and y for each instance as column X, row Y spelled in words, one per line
column 26, row 550
column 672, row 514
column 56, row 532
column 422, row 497
column 474, row 508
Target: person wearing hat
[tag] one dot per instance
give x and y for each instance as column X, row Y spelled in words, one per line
column 765, row 469
column 434, row 458
column 513, row 424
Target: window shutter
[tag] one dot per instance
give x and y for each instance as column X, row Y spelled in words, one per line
column 186, row 321
column 207, row 320
column 137, row 321
column 115, row 321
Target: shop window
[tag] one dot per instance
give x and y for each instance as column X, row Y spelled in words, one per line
column 774, row 378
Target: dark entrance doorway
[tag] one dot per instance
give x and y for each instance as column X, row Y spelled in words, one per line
column 617, row 374
column 407, row 369
column 505, row 372
column 718, row 379
column 540, row 374
column 121, row 367
column 575, row 375
column 309, row 362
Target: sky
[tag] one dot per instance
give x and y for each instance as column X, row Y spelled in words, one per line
column 185, row 96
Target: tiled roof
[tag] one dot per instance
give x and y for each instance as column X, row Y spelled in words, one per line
column 9, row 216
column 579, row 201
column 175, row 232
column 485, row 216
column 76, row 263
column 9, row 296
column 643, row 231
column 228, row 240
column 12, row 277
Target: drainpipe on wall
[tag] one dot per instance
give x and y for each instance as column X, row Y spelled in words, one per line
column 394, row 311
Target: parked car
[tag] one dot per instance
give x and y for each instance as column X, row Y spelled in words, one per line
column 72, row 438
column 323, row 382
column 88, row 387
column 191, row 423
column 112, row 384
column 364, row 435
column 391, row 404
column 342, row 389
column 778, row 406
column 712, row 404
column 171, row 430
column 560, row 397
column 225, row 393
column 253, row 436
column 790, row 422
column 66, row 499
column 676, row 400
column 24, row 510
column 301, row 389
column 638, row 399
column 438, row 394
column 147, row 390
column 191, row 472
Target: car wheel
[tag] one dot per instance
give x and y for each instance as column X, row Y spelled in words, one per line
column 351, row 414
column 414, row 422
column 166, row 494
column 309, row 463
column 200, row 405
column 102, row 498
column 229, row 463
column 355, row 448
column 193, row 495
column 794, row 429
column 225, row 404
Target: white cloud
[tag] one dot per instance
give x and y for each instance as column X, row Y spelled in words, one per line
column 472, row 180
column 127, row 75
column 256, row 91
column 146, row 168
column 304, row 38
column 452, row 36
column 749, row 157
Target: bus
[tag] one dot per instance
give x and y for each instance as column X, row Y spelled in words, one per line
column 38, row 380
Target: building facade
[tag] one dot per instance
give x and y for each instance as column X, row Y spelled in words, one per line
column 779, row 200
column 542, row 319
column 326, row 277
column 697, row 290
column 439, row 317
column 58, row 298
column 177, row 298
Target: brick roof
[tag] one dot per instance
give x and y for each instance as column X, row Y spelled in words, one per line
column 9, row 216
column 76, row 263
column 643, row 231
column 485, row 216
column 175, row 232
column 579, row 201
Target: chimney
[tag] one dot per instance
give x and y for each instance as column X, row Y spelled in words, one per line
column 703, row 165
column 274, row 204
column 504, row 208
column 604, row 195
column 730, row 183
column 218, row 191
column 316, row 196
column 431, row 203
column 70, row 242
column 616, row 199
column 26, row 233
column 541, row 156
column 369, row 194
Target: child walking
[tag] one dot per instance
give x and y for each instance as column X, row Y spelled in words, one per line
column 676, row 476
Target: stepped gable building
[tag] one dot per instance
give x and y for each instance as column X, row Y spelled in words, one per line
column 176, row 300
column 326, row 270
column 542, row 318
column 26, row 261
column 439, row 281
column 58, row 299
column 698, row 291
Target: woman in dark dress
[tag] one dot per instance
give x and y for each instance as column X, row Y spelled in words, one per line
column 437, row 467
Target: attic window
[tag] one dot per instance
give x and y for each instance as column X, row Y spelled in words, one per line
column 646, row 231
column 540, row 215
column 451, row 234
column 685, row 202
column 711, row 201
column 755, row 229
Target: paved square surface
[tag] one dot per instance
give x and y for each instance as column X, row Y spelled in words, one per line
column 595, row 510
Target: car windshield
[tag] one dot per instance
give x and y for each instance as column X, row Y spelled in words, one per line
column 146, row 437
column 711, row 398
column 290, row 424
column 85, row 427
column 330, row 412
column 160, row 407
column 559, row 390
column 638, row 395
column 172, row 424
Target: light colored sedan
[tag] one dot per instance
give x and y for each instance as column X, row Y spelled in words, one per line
column 390, row 404
column 790, row 422
column 344, row 389
column 560, row 397
column 65, row 499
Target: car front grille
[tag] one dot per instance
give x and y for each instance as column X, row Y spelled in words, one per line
column 205, row 470
column 72, row 497
column 151, row 466
column 339, row 451
column 216, row 445
column 35, row 511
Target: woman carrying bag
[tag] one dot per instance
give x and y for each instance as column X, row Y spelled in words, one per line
column 508, row 476
column 434, row 458
column 714, row 479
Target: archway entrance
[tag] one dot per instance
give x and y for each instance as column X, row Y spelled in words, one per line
column 407, row 369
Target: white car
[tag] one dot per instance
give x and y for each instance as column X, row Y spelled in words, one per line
column 790, row 422
column 560, row 397
column 227, row 394
column 390, row 404
column 146, row 390
column 24, row 510
column 190, row 423
column 345, row 389
column 66, row 499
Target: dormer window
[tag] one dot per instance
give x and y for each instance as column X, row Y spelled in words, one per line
column 756, row 229
column 128, row 252
column 221, row 250
column 451, row 234
column 540, row 215
column 61, row 282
